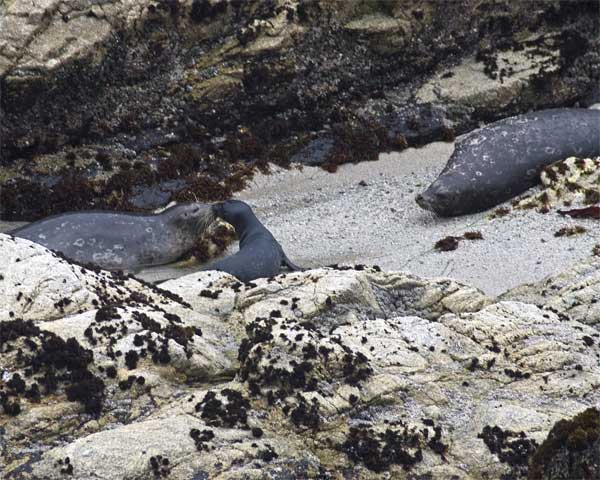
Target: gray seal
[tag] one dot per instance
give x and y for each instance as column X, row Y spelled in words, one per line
column 503, row 159
column 121, row 240
column 260, row 255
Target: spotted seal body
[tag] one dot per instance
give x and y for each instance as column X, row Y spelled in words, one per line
column 122, row 241
column 260, row 255
column 501, row 160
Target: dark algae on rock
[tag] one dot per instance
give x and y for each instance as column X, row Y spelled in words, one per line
column 398, row 444
column 258, row 82
column 228, row 409
column 571, row 450
column 48, row 364
column 511, row 448
column 380, row 450
column 160, row 466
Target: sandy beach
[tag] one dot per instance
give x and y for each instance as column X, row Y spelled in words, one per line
column 365, row 213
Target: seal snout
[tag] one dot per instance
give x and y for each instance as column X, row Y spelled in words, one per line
column 427, row 200
column 422, row 201
column 234, row 212
column 437, row 199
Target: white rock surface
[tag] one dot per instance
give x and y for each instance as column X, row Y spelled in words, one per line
column 306, row 375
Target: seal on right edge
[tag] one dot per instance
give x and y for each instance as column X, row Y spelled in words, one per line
column 260, row 255
column 503, row 159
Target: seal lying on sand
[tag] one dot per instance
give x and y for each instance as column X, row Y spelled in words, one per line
column 122, row 241
column 260, row 255
column 501, row 160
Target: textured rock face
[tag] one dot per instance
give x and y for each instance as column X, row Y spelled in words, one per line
column 572, row 449
column 568, row 183
column 193, row 95
column 573, row 293
column 330, row 373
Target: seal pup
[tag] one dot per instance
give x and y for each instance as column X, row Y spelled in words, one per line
column 260, row 255
column 503, row 159
column 121, row 240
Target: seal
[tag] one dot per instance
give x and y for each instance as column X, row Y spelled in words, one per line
column 503, row 159
column 260, row 255
column 121, row 240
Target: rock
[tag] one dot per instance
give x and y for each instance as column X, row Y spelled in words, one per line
column 572, row 293
column 167, row 446
column 315, row 153
column 572, row 449
column 39, row 285
column 42, row 37
column 346, row 370
column 207, row 292
column 378, row 24
column 126, row 104
column 472, row 83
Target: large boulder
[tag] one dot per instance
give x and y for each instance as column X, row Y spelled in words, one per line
column 347, row 371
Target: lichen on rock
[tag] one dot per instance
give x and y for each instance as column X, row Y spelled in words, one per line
column 572, row 294
column 568, row 183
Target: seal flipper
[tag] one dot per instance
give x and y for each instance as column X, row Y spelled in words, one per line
column 286, row 262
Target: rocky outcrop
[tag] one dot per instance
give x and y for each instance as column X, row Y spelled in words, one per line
column 571, row 294
column 132, row 103
column 572, row 449
column 568, row 183
column 345, row 372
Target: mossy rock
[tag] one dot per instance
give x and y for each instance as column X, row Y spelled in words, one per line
column 572, row 449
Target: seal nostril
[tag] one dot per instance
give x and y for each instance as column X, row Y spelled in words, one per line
column 421, row 201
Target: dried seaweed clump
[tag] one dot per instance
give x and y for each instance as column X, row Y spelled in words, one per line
column 570, row 231
column 568, row 182
column 214, row 242
column 450, row 242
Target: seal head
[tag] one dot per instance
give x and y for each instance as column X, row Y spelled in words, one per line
column 189, row 218
column 443, row 200
column 238, row 214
